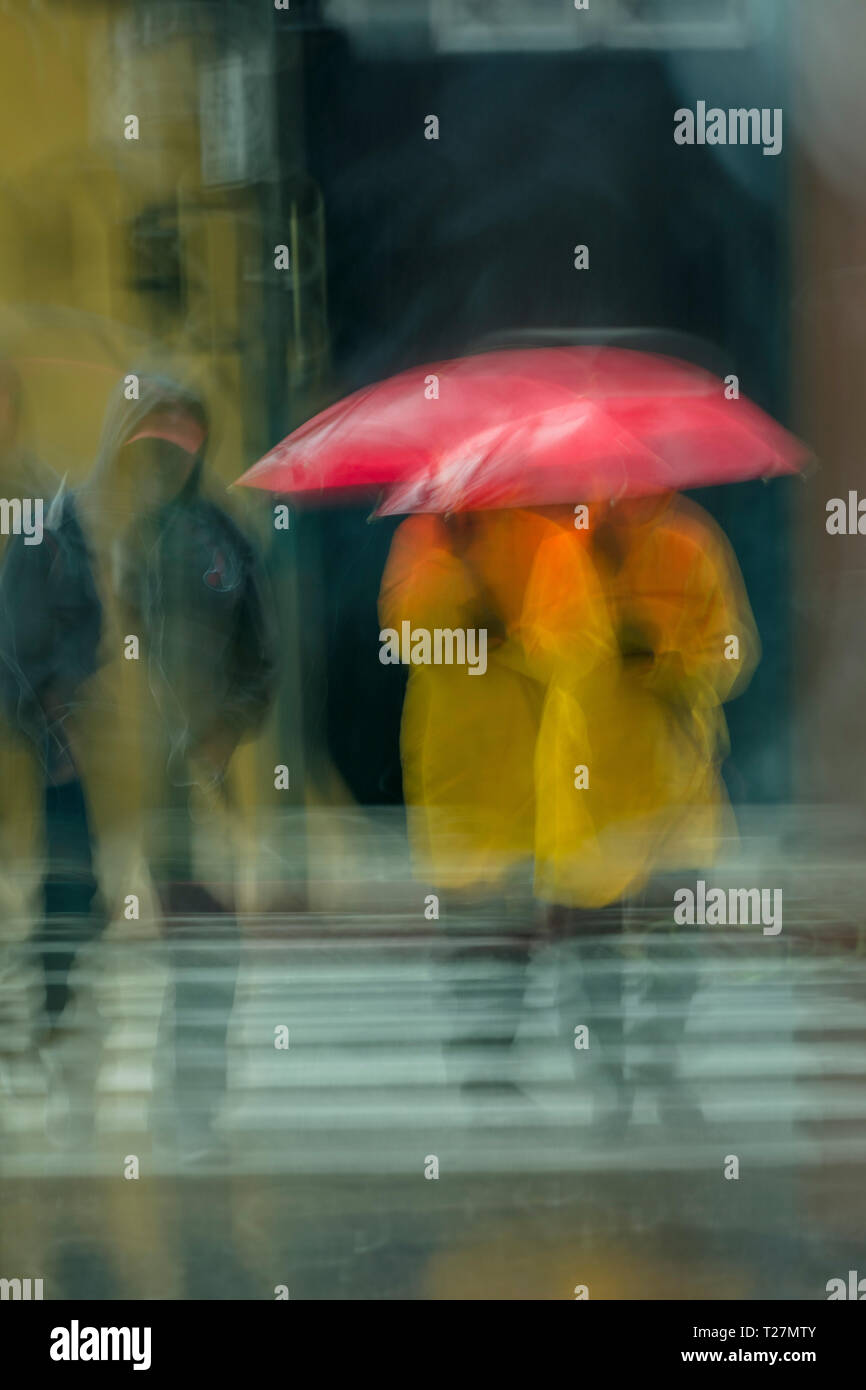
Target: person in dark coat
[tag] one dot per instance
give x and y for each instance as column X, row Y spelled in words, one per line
column 137, row 653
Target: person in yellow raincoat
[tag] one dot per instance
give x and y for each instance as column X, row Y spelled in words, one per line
column 629, row 753
column 467, row 749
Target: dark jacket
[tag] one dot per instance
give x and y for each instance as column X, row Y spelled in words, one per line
column 191, row 586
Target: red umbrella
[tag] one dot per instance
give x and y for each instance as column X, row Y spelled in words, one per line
column 527, row 427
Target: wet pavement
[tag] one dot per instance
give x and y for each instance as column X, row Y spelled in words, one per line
column 352, row 1165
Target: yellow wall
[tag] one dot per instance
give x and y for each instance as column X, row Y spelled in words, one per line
column 70, row 186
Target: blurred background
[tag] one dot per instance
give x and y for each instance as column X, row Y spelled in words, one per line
column 262, row 125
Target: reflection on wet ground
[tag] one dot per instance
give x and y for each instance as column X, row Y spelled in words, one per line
column 324, row 1179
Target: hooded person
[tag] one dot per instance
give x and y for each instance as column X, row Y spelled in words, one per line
column 628, row 762
column 138, row 652
column 26, row 488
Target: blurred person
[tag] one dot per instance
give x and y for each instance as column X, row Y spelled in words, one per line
column 567, row 632
column 24, row 479
column 644, row 722
column 467, row 743
column 136, row 752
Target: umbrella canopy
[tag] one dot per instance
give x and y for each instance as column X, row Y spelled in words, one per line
column 530, row 427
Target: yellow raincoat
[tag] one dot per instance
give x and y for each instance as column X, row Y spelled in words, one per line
column 643, row 630
column 467, row 740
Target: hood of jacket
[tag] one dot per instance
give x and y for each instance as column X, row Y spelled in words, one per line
column 106, row 502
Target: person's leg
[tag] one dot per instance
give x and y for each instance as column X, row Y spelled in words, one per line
column 72, row 916
column 483, row 959
column 72, row 911
column 202, row 940
column 590, row 998
column 672, row 955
